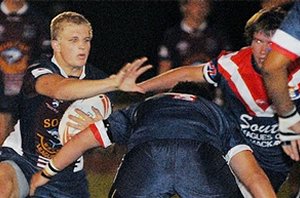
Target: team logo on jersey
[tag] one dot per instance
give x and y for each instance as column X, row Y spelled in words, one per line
column 54, row 105
column 53, row 132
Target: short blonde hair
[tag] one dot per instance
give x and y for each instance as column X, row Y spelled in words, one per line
column 58, row 23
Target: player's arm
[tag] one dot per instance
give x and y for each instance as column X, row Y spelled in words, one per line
column 276, row 81
column 247, row 170
column 71, row 151
column 55, row 86
column 275, row 75
column 170, row 78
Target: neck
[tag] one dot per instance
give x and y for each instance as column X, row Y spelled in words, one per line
column 75, row 71
column 68, row 69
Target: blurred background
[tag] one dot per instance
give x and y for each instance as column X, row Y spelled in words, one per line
column 126, row 30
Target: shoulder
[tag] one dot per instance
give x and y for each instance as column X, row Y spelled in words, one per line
column 42, row 67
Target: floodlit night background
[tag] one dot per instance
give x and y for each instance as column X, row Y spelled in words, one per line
column 125, row 30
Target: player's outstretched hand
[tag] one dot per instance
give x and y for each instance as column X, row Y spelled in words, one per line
column 127, row 76
column 36, row 181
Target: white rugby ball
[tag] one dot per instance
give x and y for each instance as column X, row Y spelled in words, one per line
column 101, row 102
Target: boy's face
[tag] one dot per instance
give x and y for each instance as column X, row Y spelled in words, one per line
column 260, row 47
column 73, row 45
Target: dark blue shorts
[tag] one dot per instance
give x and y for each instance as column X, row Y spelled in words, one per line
column 163, row 168
column 66, row 184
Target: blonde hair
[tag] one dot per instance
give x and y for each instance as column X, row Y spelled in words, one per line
column 58, row 23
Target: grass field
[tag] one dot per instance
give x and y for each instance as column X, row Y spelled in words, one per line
column 102, row 165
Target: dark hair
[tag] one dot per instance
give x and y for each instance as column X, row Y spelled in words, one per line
column 199, row 89
column 265, row 20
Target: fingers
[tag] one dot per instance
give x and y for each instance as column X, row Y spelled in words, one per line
column 83, row 120
column 130, row 67
column 292, row 150
column 98, row 115
column 143, row 69
column 31, row 191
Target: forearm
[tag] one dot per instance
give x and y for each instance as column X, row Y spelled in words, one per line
column 170, row 78
column 251, row 175
column 73, row 89
column 276, row 81
column 74, row 149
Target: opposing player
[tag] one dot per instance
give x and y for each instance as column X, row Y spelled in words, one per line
column 176, row 141
column 238, row 74
column 50, row 86
column 281, row 84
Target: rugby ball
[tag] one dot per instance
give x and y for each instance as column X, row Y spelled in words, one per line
column 101, row 102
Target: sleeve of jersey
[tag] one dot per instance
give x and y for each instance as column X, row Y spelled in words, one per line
column 231, row 138
column 210, row 73
column 39, row 71
column 122, row 123
column 286, row 39
column 235, row 150
column 100, row 132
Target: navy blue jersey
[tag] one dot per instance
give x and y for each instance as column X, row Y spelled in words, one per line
column 174, row 116
column 182, row 46
column 248, row 104
column 40, row 115
column 24, row 37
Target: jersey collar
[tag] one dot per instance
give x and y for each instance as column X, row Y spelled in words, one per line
column 82, row 75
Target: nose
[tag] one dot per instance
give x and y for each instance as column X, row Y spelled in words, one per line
column 83, row 45
column 265, row 49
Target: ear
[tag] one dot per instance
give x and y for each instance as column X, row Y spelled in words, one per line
column 55, row 45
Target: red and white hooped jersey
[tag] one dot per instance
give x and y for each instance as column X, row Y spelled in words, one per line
column 246, row 96
column 247, row 102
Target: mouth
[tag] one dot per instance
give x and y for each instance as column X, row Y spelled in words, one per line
column 81, row 56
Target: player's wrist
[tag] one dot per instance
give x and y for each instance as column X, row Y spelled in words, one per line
column 115, row 83
column 50, row 170
column 288, row 120
column 290, row 113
